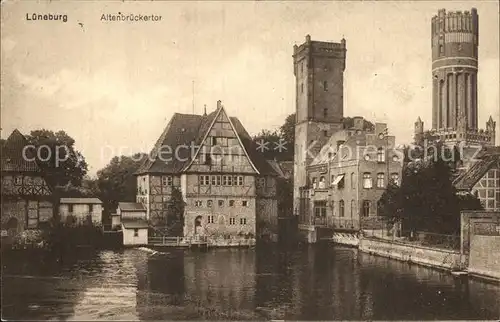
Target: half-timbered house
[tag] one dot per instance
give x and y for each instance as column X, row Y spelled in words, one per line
column 27, row 200
column 228, row 187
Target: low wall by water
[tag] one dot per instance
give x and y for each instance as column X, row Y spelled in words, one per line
column 432, row 257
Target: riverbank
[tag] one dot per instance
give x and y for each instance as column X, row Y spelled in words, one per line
column 422, row 255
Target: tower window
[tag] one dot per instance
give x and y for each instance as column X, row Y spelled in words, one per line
column 325, row 86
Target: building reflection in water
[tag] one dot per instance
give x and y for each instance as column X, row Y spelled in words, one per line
column 315, row 282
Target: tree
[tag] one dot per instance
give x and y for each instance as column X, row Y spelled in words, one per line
column 117, row 182
column 287, row 133
column 284, row 194
column 427, row 199
column 58, row 158
column 175, row 213
column 390, row 203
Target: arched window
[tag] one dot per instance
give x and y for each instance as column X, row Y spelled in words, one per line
column 341, row 208
column 380, row 155
column 366, row 208
column 380, row 180
column 322, row 183
column 367, row 180
column 395, row 178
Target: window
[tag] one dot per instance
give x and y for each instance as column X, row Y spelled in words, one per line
column 353, row 181
column 380, row 180
column 204, row 180
column 166, row 180
column 229, row 180
column 19, row 180
column 214, row 180
column 231, row 203
column 232, row 221
column 325, row 86
column 320, row 209
column 325, row 133
column 244, row 203
column 240, row 180
column 366, row 208
column 341, row 208
column 325, row 112
column 243, row 221
column 91, row 208
column 198, row 203
column 441, row 50
column 136, row 232
column 221, row 203
column 70, row 208
column 367, row 180
column 380, row 155
column 332, row 178
column 219, row 180
column 210, row 219
column 314, row 183
column 302, row 88
column 395, row 178
column 209, row 203
column 322, row 183
column 208, row 159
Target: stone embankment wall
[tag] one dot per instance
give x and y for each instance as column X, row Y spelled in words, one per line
column 484, row 257
column 432, row 257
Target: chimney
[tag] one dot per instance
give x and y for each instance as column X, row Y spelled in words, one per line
column 205, row 110
column 219, row 104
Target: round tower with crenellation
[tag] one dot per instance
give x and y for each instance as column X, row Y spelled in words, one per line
column 455, row 41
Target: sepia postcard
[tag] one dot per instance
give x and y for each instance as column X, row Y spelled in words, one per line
column 250, row 160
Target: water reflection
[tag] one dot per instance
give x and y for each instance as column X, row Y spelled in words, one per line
column 311, row 283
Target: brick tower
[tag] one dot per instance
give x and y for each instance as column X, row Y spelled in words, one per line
column 319, row 77
column 454, row 78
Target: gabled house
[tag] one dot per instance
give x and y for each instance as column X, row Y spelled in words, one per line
column 483, row 179
column 228, row 188
column 131, row 216
column 27, row 199
column 81, row 210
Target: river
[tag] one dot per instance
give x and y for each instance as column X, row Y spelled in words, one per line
column 317, row 282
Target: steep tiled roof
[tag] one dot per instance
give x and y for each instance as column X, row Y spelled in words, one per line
column 468, row 179
column 188, row 129
column 131, row 206
column 12, row 155
column 80, row 201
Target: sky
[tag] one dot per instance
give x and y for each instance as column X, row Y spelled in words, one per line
column 113, row 86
